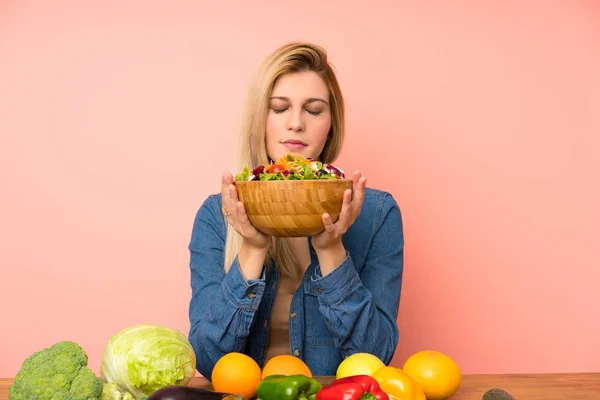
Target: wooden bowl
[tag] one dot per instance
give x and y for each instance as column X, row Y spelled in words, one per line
column 292, row 208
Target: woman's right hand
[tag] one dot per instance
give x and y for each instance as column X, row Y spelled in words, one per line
column 234, row 211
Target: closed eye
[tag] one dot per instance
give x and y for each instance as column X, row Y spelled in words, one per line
column 281, row 110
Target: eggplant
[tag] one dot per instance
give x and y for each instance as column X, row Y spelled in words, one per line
column 190, row 393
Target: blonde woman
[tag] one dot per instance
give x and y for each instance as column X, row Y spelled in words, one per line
column 319, row 298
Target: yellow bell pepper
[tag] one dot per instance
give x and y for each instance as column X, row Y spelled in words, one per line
column 397, row 384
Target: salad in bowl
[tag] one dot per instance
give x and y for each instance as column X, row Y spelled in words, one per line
column 288, row 197
column 291, row 167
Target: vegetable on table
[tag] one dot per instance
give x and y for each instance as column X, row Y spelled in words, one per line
column 497, row 394
column 397, row 384
column 57, row 372
column 141, row 359
column 189, row 393
column 357, row 387
column 112, row 391
column 288, row 387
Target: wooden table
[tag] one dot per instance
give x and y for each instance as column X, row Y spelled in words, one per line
column 522, row 387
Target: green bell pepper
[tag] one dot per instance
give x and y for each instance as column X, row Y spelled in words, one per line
column 293, row 387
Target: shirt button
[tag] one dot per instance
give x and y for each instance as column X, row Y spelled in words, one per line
column 252, row 295
column 266, row 323
column 296, row 352
column 274, row 285
column 293, row 314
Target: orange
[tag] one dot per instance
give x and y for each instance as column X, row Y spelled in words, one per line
column 236, row 373
column 436, row 373
column 286, row 365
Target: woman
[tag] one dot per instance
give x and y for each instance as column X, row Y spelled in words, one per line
column 320, row 298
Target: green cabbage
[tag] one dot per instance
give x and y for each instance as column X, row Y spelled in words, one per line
column 111, row 391
column 144, row 358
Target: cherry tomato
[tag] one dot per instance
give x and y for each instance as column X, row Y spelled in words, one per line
column 276, row 168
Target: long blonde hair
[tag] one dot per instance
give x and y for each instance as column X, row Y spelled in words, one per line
column 292, row 57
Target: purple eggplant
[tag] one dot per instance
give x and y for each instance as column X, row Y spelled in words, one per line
column 190, row 393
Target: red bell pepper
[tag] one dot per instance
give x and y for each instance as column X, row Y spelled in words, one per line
column 357, row 387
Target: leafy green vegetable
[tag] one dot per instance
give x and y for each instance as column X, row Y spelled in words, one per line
column 111, row 391
column 144, row 358
column 59, row 372
column 244, row 175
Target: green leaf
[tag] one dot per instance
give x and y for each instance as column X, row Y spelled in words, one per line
column 275, row 176
column 309, row 173
column 244, row 175
column 328, row 176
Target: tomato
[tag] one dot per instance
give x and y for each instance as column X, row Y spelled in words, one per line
column 276, row 168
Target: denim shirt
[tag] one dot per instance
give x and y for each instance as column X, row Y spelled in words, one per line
column 352, row 309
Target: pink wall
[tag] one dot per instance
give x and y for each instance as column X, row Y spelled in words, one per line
column 482, row 120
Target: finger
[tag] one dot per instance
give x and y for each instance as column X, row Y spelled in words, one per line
column 359, row 196
column 346, row 211
column 243, row 217
column 233, row 200
column 355, row 180
column 226, row 181
column 328, row 223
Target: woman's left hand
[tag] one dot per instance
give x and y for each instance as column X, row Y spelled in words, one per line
column 331, row 237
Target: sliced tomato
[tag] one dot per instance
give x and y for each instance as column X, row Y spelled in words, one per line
column 276, row 168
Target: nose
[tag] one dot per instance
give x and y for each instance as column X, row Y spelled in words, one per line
column 295, row 122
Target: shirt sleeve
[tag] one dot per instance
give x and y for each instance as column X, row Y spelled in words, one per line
column 223, row 305
column 362, row 309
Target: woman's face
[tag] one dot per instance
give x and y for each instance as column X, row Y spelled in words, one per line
column 299, row 117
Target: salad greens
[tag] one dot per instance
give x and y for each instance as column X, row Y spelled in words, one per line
column 291, row 167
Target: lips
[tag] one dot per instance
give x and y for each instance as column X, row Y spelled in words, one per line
column 294, row 144
column 293, row 141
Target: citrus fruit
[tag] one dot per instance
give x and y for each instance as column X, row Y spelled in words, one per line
column 358, row 364
column 436, row 373
column 285, row 365
column 236, row 373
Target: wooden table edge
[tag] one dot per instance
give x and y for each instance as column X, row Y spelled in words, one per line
column 542, row 386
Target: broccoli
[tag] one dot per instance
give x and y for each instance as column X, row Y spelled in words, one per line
column 59, row 372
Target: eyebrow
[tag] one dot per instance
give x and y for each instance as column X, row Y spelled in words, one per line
column 309, row 100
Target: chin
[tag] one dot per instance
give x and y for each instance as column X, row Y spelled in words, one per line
column 305, row 152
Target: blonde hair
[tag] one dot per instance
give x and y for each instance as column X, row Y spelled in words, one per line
column 290, row 58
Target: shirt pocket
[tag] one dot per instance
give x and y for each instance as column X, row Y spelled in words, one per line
column 316, row 331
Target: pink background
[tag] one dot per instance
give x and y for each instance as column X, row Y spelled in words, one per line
column 482, row 120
